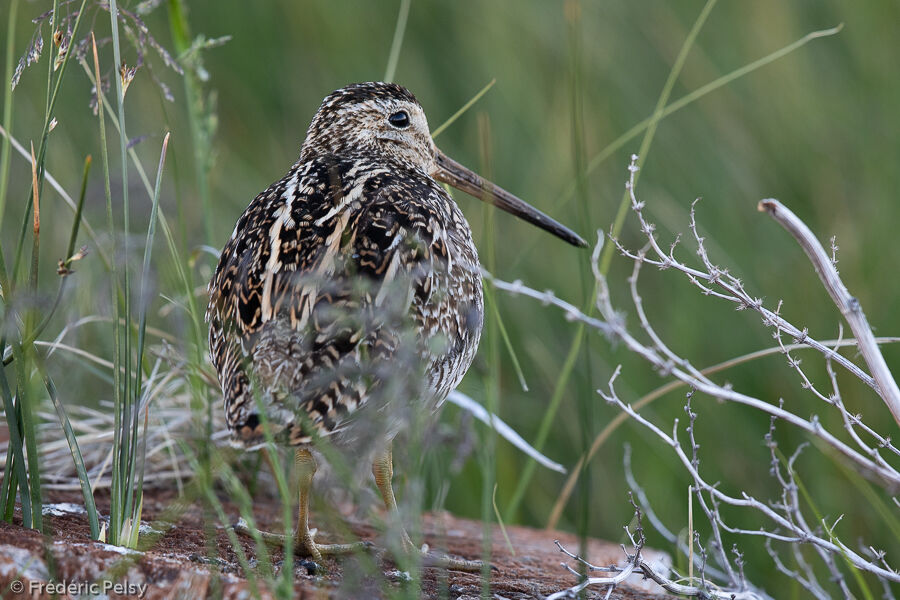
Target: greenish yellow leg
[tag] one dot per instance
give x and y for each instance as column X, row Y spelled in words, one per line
column 383, row 470
column 305, row 463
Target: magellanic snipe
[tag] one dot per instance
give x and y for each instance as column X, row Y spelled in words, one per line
column 357, row 256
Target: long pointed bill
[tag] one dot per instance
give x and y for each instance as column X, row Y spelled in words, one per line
column 451, row 172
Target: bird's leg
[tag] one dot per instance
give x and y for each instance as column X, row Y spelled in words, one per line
column 305, row 464
column 383, row 470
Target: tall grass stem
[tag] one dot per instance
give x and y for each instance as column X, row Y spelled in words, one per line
column 397, row 42
column 572, row 355
column 7, row 105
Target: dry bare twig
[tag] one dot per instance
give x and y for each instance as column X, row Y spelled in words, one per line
column 787, row 530
column 787, row 523
column 637, row 566
column 848, row 305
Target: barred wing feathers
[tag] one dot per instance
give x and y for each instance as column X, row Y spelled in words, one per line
column 302, row 288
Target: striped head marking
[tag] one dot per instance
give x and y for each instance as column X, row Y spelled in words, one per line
column 380, row 119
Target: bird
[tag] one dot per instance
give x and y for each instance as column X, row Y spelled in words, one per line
column 355, row 265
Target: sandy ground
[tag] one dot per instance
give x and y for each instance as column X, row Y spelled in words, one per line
column 177, row 565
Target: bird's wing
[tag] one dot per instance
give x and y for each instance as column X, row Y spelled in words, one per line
column 306, row 285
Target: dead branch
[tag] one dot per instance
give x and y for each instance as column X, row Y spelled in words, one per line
column 637, row 566
column 850, row 308
column 783, row 519
column 794, row 532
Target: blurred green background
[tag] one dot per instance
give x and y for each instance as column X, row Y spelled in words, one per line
column 818, row 129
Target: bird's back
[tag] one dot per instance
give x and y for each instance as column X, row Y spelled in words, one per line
column 347, row 282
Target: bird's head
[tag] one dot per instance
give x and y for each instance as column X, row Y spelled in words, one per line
column 385, row 120
column 372, row 119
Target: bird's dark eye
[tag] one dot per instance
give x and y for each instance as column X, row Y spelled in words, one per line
column 399, row 119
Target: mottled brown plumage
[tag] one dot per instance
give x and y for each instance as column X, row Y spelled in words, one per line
column 344, row 215
column 353, row 262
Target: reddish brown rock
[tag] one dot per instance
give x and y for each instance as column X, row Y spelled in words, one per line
column 177, row 565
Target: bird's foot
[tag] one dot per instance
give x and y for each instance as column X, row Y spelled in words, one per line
column 443, row 561
column 305, row 544
column 436, row 560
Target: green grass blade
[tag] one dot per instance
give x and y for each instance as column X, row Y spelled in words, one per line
column 14, row 448
column 606, row 256
column 65, row 196
column 182, row 275
column 124, row 447
column 617, row 144
column 584, row 396
column 219, row 467
column 35, row 243
column 48, row 117
column 115, row 492
column 14, row 471
column 7, row 105
column 54, row 20
column 37, row 331
column 575, row 346
column 145, row 269
column 703, row 90
column 462, row 110
column 76, row 222
column 22, row 415
column 261, row 551
column 200, row 138
column 687, row 99
column 491, row 300
column 36, row 186
column 9, row 489
column 142, row 329
column 83, row 478
column 397, row 43
column 282, row 486
column 25, row 404
column 198, row 387
column 28, row 334
column 487, row 454
column 509, row 545
column 559, row 389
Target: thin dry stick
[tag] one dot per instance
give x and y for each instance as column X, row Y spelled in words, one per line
column 788, row 523
column 637, row 566
column 691, row 534
column 848, row 305
column 786, row 529
column 662, row 390
column 614, row 326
